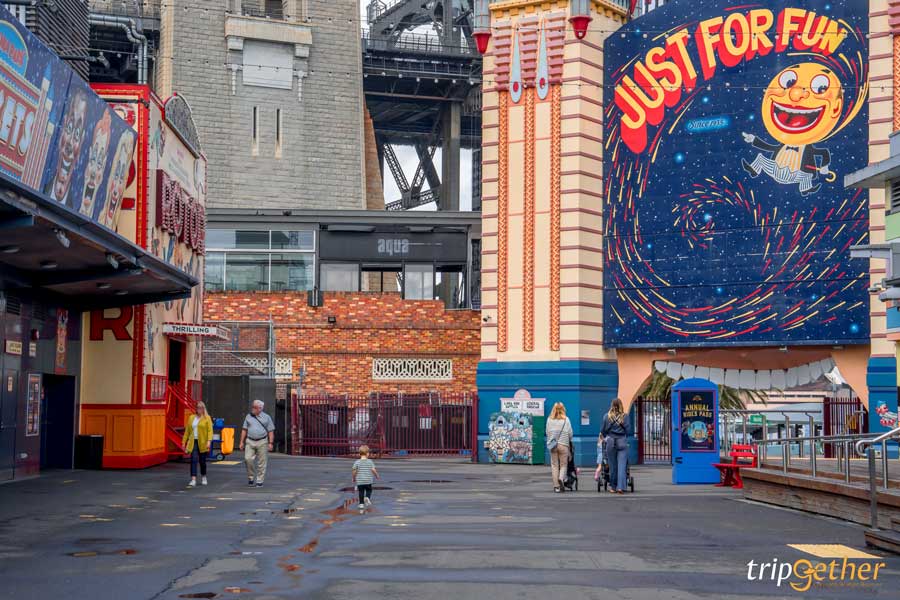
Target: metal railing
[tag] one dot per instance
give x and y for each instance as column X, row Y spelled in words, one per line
column 869, row 447
column 417, row 43
column 376, row 8
column 849, row 445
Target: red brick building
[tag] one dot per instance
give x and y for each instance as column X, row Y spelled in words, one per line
column 337, row 344
column 345, row 302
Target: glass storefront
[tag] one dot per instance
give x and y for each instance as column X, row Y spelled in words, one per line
column 240, row 260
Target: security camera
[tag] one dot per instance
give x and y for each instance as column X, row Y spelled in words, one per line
column 486, row 318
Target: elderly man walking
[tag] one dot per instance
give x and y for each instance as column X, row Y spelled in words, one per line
column 257, row 437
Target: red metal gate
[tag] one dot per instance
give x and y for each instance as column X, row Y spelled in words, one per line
column 843, row 414
column 394, row 425
column 654, row 431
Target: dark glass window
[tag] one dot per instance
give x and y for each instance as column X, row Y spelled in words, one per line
column 449, row 286
column 419, row 282
column 294, row 240
column 214, row 272
column 339, row 277
column 292, row 271
column 243, row 240
column 247, row 272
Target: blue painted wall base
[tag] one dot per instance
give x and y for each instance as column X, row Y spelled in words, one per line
column 579, row 385
column 881, row 379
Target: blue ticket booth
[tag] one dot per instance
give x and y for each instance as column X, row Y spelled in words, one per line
column 695, row 431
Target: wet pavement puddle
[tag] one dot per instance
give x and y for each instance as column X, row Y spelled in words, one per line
column 199, row 595
column 90, row 553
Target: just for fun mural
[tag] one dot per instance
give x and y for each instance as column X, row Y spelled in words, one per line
column 728, row 130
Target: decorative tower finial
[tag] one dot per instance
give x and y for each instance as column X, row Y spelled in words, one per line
column 580, row 17
column 482, row 32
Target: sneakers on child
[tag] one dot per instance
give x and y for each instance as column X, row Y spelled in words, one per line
column 362, row 507
column 193, row 483
column 368, row 502
column 203, row 481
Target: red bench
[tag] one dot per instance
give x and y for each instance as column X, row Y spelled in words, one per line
column 731, row 472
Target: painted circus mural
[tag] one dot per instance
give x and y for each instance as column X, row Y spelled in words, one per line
column 162, row 208
column 58, row 137
column 729, row 128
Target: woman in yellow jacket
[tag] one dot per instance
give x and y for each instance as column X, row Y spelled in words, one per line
column 198, row 431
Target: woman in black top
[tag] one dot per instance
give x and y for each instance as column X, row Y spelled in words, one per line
column 616, row 429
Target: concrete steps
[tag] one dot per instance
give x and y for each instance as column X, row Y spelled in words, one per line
column 885, row 539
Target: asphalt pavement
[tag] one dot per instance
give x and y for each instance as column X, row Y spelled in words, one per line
column 438, row 529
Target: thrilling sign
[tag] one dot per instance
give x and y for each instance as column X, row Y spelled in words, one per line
column 191, row 330
column 728, row 130
column 179, row 213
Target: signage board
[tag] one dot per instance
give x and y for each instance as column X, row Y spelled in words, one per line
column 58, row 137
column 698, row 421
column 13, row 347
column 393, row 247
column 728, row 130
column 533, row 406
column 191, row 330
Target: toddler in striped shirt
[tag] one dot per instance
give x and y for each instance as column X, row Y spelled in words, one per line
column 364, row 474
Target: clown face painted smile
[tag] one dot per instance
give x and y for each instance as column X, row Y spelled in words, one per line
column 794, row 119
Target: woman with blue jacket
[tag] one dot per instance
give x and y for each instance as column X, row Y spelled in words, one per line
column 616, row 429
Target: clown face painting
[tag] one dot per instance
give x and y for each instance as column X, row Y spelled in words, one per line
column 118, row 178
column 96, row 163
column 801, row 106
column 71, row 139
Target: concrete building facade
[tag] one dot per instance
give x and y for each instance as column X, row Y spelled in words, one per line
column 276, row 91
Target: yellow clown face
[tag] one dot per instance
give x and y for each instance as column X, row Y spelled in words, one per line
column 803, row 104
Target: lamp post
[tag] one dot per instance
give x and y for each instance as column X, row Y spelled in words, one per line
column 580, row 17
column 482, row 33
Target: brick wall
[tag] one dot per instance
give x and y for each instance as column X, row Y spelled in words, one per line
column 338, row 357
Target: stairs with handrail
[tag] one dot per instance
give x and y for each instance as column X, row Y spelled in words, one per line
column 178, row 403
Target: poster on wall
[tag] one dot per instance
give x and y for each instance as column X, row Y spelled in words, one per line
column 59, row 137
column 698, row 421
column 729, row 128
column 33, row 405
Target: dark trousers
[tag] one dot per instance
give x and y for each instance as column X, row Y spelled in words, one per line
column 617, row 456
column 365, row 491
column 198, row 457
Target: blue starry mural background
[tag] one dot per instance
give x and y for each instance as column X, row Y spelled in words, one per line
column 707, row 244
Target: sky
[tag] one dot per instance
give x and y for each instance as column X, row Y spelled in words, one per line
column 409, row 161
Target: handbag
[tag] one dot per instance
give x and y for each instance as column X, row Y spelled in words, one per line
column 553, row 442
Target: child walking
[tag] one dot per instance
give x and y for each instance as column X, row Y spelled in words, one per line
column 364, row 474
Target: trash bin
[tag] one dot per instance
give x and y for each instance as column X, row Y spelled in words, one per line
column 88, row 451
column 222, row 443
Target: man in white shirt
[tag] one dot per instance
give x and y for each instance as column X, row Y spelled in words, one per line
column 257, row 439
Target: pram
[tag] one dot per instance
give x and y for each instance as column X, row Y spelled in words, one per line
column 603, row 481
column 571, row 481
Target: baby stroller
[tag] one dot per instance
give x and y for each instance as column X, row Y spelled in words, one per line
column 603, row 481
column 571, row 481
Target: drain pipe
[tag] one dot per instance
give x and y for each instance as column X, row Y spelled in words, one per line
column 132, row 32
